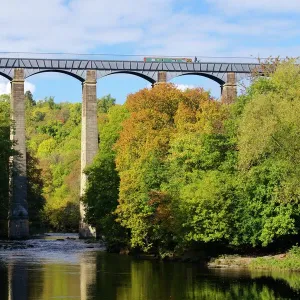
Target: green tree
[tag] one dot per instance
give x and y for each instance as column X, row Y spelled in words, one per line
column 200, row 172
column 29, row 101
column 269, row 157
column 103, row 183
column 36, row 200
column 53, row 139
column 105, row 103
column 5, row 152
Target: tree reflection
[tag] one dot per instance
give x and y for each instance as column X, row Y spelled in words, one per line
column 106, row 276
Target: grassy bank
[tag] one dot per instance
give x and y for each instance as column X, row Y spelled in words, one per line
column 286, row 261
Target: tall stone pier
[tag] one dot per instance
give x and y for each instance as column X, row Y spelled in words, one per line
column 18, row 227
column 89, row 141
column 229, row 89
column 161, row 77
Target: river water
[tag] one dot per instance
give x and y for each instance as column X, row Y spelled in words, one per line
column 69, row 268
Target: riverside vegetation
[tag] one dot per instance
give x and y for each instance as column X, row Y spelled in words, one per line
column 176, row 171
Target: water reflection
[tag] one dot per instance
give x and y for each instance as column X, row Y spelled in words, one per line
column 134, row 279
column 88, row 273
column 97, row 275
column 18, row 282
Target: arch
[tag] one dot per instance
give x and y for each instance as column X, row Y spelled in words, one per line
column 6, row 76
column 212, row 77
column 60, row 71
column 151, row 80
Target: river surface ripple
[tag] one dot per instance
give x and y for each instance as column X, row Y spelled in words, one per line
column 64, row 267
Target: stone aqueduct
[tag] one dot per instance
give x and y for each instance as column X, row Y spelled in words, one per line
column 88, row 71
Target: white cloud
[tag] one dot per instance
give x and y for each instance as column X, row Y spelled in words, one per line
column 5, row 86
column 29, row 87
column 79, row 27
column 181, row 87
column 259, row 6
column 150, row 27
column 216, row 35
column 184, row 87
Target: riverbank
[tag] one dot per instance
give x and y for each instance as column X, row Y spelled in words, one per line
column 289, row 261
column 286, row 261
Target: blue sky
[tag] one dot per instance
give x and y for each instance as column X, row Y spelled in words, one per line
column 222, row 28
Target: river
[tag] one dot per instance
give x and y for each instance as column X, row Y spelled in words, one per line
column 63, row 267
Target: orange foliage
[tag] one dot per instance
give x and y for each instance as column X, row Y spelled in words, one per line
column 154, row 115
column 162, row 204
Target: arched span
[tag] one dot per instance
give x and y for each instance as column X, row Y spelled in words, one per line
column 6, row 76
column 214, row 78
column 151, row 80
column 59, row 71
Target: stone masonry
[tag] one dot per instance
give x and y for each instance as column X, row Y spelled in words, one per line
column 18, row 227
column 229, row 89
column 161, row 77
column 89, row 141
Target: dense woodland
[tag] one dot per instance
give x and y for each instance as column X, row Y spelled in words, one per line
column 176, row 170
